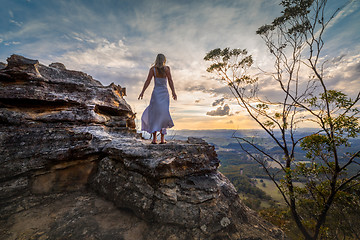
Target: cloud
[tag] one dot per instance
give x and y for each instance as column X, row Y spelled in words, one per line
column 357, row 67
column 11, row 43
column 218, row 102
column 105, row 54
column 346, row 9
column 344, row 75
column 220, row 111
column 338, row 58
column 19, row 24
column 213, row 88
column 32, row 29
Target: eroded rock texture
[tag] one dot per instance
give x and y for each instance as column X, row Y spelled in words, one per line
column 73, row 167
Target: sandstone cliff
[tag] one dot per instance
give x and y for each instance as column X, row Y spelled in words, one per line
column 73, row 167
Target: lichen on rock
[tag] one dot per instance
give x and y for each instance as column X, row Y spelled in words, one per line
column 73, row 167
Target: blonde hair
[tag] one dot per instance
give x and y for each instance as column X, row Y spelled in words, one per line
column 160, row 63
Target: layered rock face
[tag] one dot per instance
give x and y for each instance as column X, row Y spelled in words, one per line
column 73, row 167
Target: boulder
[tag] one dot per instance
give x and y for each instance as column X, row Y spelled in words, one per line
column 58, row 65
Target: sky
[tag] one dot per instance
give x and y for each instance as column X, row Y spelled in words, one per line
column 118, row 40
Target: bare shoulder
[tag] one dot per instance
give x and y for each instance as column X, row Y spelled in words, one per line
column 167, row 72
column 151, row 74
column 151, row 70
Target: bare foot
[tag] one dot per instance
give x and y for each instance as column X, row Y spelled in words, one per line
column 162, row 138
column 154, row 138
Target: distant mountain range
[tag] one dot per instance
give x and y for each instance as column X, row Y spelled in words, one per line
column 224, row 141
column 232, row 157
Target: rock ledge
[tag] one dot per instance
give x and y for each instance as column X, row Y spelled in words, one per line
column 73, row 167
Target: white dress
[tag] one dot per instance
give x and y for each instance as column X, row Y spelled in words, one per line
column 156, row 116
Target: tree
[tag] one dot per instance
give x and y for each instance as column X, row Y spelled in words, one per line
column 342, row 221
column 295, row 40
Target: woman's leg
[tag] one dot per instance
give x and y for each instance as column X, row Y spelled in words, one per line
column 162, row 137
column 163, row 132
column 154, row 137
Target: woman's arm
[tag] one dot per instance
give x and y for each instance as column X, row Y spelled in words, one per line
column 171, row 83
column 147, row 83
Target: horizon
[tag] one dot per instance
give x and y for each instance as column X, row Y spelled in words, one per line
column 117, row 41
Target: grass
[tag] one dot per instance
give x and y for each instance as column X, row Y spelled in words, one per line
column 271, row 189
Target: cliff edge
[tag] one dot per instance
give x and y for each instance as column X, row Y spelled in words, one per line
column 73, row 167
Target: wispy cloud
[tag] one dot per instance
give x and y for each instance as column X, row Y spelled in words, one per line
column 11, row 43
column 105, row 54
column 345, row 9
column 19, row 24
column 27, row 30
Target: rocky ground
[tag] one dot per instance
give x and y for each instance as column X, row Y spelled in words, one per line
column 73, row 167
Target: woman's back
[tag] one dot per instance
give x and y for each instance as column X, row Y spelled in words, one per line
column 160, row 73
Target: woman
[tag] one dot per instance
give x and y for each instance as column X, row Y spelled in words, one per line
column 156, row 116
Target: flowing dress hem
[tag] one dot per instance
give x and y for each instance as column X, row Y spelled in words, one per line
column 169, row 126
